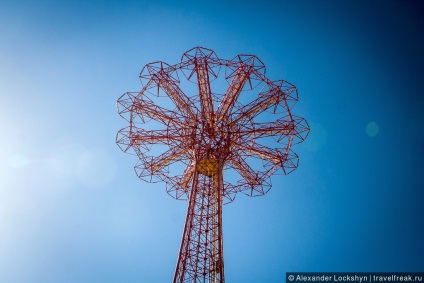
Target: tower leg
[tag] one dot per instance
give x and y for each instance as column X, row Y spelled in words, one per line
column 201, row 253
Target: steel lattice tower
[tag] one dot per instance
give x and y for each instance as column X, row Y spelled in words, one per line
column 197, row 119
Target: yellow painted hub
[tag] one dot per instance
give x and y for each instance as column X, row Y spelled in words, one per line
column 208, row 167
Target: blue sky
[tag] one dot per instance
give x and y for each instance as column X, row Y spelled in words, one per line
column 72, row 209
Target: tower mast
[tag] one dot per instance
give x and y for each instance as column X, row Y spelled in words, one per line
column 202, row 129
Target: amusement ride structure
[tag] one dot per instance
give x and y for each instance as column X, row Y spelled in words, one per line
column 197, row 120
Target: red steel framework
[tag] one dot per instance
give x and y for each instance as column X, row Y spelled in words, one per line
column 195, row 120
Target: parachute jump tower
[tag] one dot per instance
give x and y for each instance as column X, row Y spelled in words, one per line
column 198, row 119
